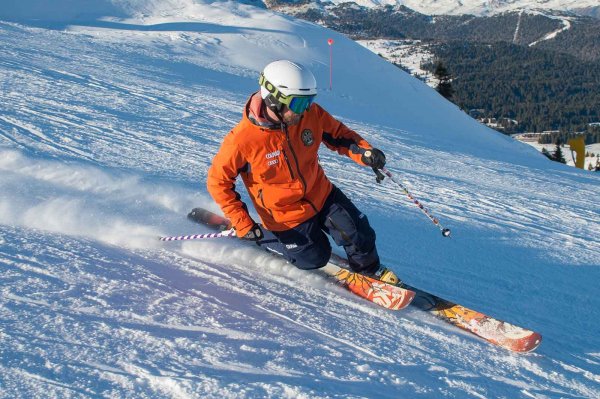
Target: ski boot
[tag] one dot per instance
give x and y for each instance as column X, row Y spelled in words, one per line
column 386, row 275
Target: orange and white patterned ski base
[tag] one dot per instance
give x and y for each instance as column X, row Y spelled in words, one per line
column 378, row 292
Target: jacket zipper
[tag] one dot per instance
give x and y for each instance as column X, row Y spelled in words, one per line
column 287, row 137
column 287, row 161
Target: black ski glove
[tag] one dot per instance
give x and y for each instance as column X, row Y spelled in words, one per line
column 375, row 158
column 255, row 233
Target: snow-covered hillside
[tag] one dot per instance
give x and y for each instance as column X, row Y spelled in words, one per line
column 410, row 54
column 110, row 114
column 484, row 7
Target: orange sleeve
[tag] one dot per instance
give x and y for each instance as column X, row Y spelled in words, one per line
column 338, row 137
column 225, row 168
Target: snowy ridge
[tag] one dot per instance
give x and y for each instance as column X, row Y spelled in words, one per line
column 483, row 7
column 108, row 127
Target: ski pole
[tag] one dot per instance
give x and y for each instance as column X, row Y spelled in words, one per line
column 445, row 231
column 226, row 233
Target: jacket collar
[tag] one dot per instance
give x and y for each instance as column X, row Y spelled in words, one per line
column 256, row 113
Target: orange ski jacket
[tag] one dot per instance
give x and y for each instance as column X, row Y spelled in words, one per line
column 279, row 166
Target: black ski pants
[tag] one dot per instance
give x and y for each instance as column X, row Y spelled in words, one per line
column 307, row 246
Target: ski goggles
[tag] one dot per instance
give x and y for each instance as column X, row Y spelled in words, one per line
column 297, row 103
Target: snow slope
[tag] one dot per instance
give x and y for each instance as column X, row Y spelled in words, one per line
column 108, row 125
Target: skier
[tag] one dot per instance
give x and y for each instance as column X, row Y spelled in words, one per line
column 274, row 150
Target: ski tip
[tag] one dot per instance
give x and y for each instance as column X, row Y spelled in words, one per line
column 527, row 342
column 197, row 214
column 526, row 345
column 206, row 217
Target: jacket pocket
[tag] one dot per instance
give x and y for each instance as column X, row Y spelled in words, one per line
column 278, row 196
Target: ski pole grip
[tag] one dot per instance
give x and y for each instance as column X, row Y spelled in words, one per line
column 378, row 175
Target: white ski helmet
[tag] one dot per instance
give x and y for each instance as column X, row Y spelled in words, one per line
column 282, row 80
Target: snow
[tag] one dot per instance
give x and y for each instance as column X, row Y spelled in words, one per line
column 483, row 7
column 108, row 126
column 411, row 54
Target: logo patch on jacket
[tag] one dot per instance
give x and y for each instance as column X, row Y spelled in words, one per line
column 271, row 158
column 307, row 137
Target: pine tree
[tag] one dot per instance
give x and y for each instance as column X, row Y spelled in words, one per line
column 558, row 154
column 444, row 78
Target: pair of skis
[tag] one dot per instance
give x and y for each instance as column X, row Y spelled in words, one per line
column 497, row 332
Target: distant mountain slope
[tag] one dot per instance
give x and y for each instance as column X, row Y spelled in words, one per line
column 551, row 58
column 470, row 7
column 577, row 36
column 540, row 89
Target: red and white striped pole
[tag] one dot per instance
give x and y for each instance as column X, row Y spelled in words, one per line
column 226, row 233
column 330, row 43
column 445, row 231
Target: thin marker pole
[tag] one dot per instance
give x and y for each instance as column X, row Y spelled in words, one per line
column 330, row 42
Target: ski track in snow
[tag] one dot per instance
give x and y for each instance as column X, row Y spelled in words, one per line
column 155, row 323
column 518, row 27
column 566, row 26
column 102, row 152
